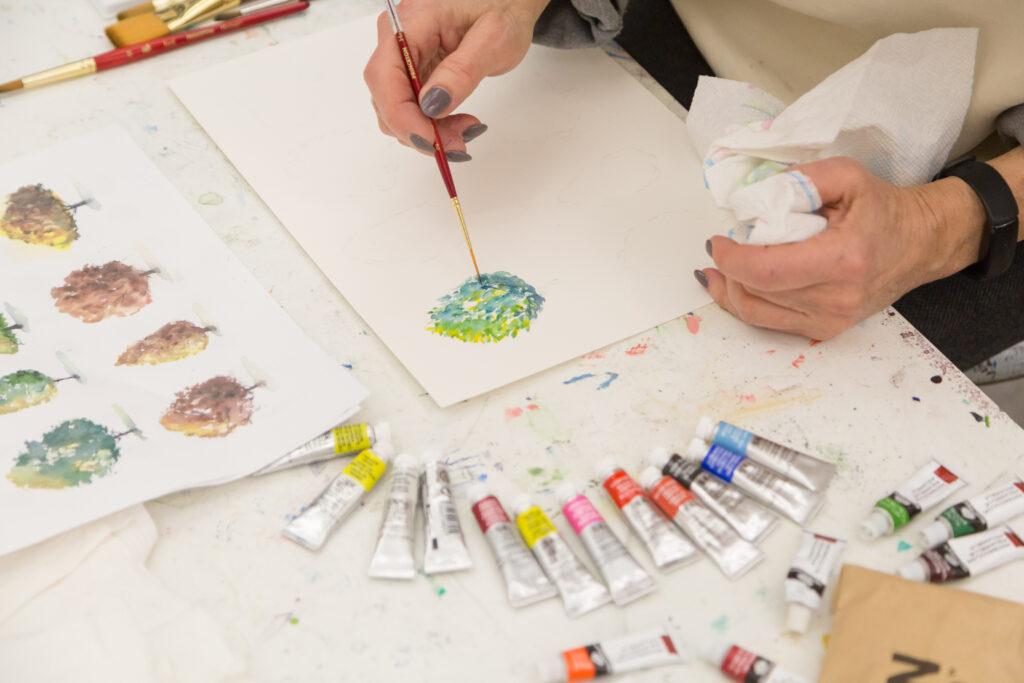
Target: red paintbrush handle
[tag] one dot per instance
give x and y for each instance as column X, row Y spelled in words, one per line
column 152, row 48
column 414, row 80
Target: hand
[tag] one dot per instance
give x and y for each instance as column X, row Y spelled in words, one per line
column 881, row 242
column 455, row 44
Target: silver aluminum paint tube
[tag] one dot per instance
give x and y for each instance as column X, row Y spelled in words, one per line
column 664, row 541
column 750, row 520
column 757, row 481
column 335, row 443
column 394, row 557
column 525, row 581
column 445, row 549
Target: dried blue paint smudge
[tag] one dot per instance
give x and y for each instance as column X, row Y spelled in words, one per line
column 577, row 378
column 612, row 376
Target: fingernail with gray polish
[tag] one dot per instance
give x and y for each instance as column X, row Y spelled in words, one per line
column 457, row 156
column 701, row 278
column 435, row 101
column 474, row 131
column 707, row 245
column 421, row 143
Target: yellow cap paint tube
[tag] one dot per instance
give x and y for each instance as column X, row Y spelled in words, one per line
column 968, row 556
column 978, row 513
column 525, row 581
column 394, row 557
column 757, row 481
column 751, row 521
column 633, row 652
column 625, row 578
column 445, row 549
column 927, row 488
column 812, row 569
column 311, row 528
column 744, row 666
column 581, row 592
column 334, row 443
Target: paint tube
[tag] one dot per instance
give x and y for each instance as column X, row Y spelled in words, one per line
column 733, row 555
column 926, row 489
column 445, row 549
column 664, row 541
column 978, row 513
column 750, row 520
column 633, row 652
column 968, row 556
column 525, row 581
column 335, row 443
column 812, row 569
column 808, row 471
column 310, row 529
column 581, row 592
column 394, row 557
column 744, row 666
column 623, row 575
column 757, row 481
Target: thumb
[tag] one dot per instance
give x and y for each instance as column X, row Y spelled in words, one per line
column 837, row 179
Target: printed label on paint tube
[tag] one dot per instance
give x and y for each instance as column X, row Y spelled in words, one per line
column 984, row 510
column 366, row 468
column 745, row 666
column 524, row 579
column 351, row 438
column 666, row 544
column 394, row 557
column 809, row 575
column 763, row 485
column 620, row 655
column 972, row 555
column 445, row 549
column 805, row 470
column 625, row 578
column 342, row 440
column 722, row 462
column 927, row 488
column 580, row 591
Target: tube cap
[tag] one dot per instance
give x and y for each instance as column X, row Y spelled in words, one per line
column 934, row 534
column 521, row 504
column 382, row 431
column 658, row 457
column 914, row 571
column 798, row 617
column 697, row 449
column 605, row 468
column 407, row 461
column 566, row 491
column 706, row 427
column 383, row 450
column 430, row 455
column 477, row 491
column 876, row 525
column 552, row 670
column 649, row 477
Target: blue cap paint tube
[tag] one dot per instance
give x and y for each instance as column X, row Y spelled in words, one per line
column 445, row 549
column 394, row 557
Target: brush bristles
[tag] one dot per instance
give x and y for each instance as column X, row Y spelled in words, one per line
column 11, row 85
column 141, row 8
column 137, row 29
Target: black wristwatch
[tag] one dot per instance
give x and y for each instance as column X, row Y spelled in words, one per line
column 999, row 241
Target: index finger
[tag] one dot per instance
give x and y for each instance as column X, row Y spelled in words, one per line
column 776, row 267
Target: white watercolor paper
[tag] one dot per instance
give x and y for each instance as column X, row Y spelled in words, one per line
column 585, row 186
column 143, row 222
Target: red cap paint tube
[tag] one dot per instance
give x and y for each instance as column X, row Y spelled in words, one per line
column 335, row 443
column 750, row 520
column 664, row 541
column 926, row 489
column 445, row 547
column 744, row 666
column 623, row 575
column 394, row 557
column 525, row 581
column 581, row 592
column 967, row 556
column 732, row 554
column 633, row 652
column 757, row 481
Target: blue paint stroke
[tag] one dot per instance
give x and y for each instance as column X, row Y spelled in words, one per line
column 347, row 365
column 577, row 378
column 612, row 376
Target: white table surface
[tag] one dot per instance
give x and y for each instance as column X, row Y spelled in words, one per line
column 870, row 401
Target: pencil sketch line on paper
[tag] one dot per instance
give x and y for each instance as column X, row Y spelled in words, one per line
column 495, row 307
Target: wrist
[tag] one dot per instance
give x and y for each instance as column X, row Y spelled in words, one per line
column 949, row 220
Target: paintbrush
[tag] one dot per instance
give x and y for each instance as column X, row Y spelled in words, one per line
column 439, row 155
column 143, row 27
column 247, row 7
column 155, row 7
column 135, row 53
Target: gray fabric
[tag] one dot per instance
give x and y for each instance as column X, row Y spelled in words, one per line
column 579, row 23
column 1011, row 123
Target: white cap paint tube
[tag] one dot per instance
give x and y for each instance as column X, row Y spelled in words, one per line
column 804, row 469
column 744, row 666
column 809, row 575
column 525, row 581
column 733, row 555
column 978, row 513
column 968, row 556
column 581, row 592
column 750, row 520
column 394, row 557
column 445, row 549
column 334, row 443
column 342, row 495
column 757, row 481
column 633, row 652
column 664, row 541
column 623, row 575
column 926, row 489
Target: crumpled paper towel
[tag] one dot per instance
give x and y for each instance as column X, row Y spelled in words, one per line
column 897, row 109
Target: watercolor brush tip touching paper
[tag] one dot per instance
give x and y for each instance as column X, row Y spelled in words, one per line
column 588, row 208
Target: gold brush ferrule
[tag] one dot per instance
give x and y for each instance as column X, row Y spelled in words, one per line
column 83, row 67
column 200, row 11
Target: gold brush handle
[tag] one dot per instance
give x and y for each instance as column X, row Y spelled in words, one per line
column 199, row 11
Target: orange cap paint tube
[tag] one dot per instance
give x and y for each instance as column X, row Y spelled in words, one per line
column 634, row 652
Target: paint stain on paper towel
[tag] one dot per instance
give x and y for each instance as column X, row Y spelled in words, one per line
column 72, row 453
column 496, row 307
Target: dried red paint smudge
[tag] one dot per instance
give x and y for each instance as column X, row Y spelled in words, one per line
column 798, row 361
column 749, row 398
column 595, row 354
column 815, row 342
column 770, row 351
column 513, row 413
column 693, row 323
column 637, row 350
column 533, row 406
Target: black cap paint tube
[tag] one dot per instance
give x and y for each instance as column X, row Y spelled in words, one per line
column 757, row 481
column 750, row 520
column 625, row 578
column 525, row 581
column 927, row 488
column 633, row 652
column 812, row 569
column 445, row 549
column 311, row 528
column 664, row 541
column 341, row 441
column 742, row 665
column 733, row 555
column 804, row 469
column 581, row 592
column 394, row 557
column 978, row 513
column 967, row 556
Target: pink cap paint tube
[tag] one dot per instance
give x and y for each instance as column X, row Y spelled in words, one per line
column 525, row 581
column 966, row 556
column 633, row 652
column 664, row 541
column 445, row 547
column 732, row 554
column 744, row 666
column 624, row 576
column 394, row 557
